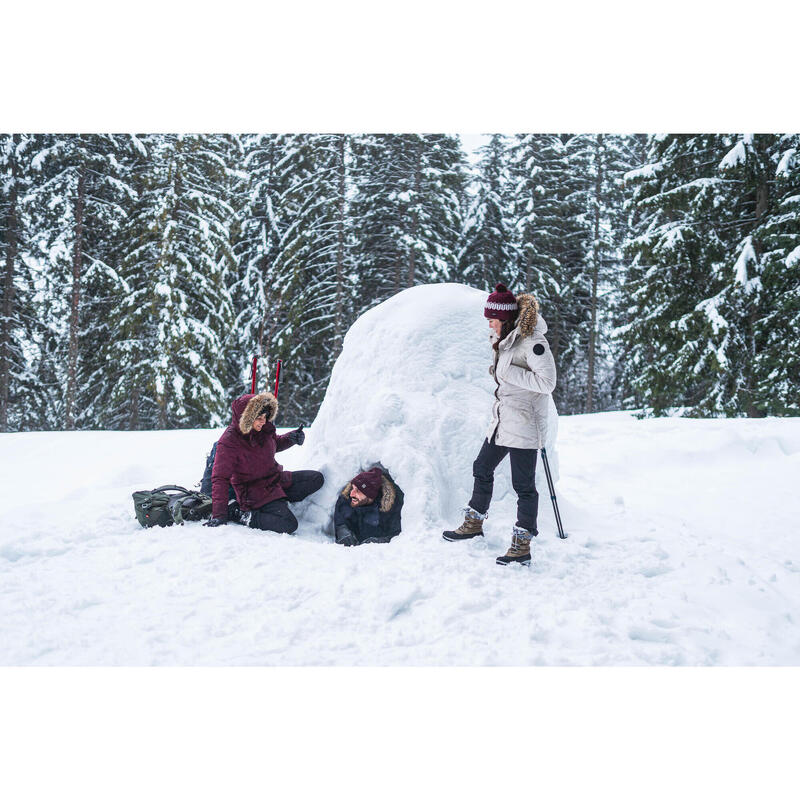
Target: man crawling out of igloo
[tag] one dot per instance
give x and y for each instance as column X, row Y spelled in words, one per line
column 368, row 509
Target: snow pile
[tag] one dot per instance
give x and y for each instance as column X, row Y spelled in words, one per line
column 411, row 391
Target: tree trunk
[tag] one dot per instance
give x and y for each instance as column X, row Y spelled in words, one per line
column 762, row 203
column 273, row 302
column 528, row 267
column 133, row 419
column 77, row 258
column 598, row 193
column 166, row 254
column 339, row 332
column 266, row 265
column 162, row 411
column 12, row 223
column 412, row 266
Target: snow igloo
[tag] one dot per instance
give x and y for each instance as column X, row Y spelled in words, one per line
column 411, row 392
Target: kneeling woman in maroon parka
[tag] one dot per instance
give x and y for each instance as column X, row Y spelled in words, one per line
column 245, row 459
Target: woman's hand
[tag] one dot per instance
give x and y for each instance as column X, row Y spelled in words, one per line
column 296, row 436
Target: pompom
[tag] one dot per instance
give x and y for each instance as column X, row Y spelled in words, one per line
column 500, row 288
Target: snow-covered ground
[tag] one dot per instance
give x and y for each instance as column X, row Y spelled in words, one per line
column 683, row 549
column 683, row 540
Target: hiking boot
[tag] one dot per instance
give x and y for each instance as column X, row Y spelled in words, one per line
column 520, row 550
column 471, row 527
column 235, row 513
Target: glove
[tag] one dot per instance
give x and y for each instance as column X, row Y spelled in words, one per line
column 345, row 536
column 297, row 436
column 214, row 522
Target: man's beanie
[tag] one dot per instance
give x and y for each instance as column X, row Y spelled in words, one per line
column 369, row 482
column 501, row 304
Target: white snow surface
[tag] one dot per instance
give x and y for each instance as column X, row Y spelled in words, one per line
column 682, row 550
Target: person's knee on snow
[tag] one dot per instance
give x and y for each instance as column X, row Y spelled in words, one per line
column 275, row 516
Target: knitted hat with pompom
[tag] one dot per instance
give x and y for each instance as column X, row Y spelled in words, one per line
column 501, row 304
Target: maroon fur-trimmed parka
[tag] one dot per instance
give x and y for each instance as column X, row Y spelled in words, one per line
column 245, row 458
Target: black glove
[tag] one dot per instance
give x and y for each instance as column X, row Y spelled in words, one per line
column 214, row 521
column 296, row 436
column 345, row 536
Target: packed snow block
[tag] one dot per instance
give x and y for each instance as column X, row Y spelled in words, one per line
column 411, row 390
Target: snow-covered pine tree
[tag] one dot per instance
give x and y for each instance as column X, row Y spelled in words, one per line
column 738, row 301
column 776, row 369
column 293, row 294
column 552, row 230
column 598, row 163
column 82, row 201
column 19, row 390
column 716, row 238
column 376, row 217
column 488, row 253
column 177, row 311
column 265, row 212
column 436, row 207
column 131, row 350
column 668, row 350
column 409, row 192
column 318, row 255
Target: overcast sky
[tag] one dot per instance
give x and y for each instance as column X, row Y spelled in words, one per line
column 471, row 142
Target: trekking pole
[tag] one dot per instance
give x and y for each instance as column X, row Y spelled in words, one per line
column 561, row 533
column 253, row 375
column 277, row 377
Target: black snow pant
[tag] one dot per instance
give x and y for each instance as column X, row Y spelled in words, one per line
column 523, row 479
column 276, row 515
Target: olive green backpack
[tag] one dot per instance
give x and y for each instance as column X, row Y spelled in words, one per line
column 170, row 505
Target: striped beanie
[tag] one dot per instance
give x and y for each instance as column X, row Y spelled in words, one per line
column 501, row 304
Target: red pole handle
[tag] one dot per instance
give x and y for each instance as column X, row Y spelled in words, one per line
column 253, row 375
column 277, row 377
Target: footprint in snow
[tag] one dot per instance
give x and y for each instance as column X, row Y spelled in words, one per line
column 641, row 634
column 652, row 572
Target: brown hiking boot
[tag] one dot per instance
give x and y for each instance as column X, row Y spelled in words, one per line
column 471, row 527
column 520, row 550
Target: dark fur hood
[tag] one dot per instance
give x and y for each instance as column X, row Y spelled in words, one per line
column 247, row 407
column 388, row 494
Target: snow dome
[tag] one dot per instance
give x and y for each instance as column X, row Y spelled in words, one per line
column 411, row 391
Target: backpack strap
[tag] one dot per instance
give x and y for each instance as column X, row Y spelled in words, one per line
column 171, row 487
column 177, row 503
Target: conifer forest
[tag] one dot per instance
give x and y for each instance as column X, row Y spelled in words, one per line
column 141, row 273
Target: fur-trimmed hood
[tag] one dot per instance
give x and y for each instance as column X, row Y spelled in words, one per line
column 528, row 314
column 388, row 493
column 247, row 407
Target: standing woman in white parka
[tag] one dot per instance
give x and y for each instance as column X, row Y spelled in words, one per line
column 525, row 374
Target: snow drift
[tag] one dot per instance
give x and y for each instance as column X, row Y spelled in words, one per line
column 411, row 391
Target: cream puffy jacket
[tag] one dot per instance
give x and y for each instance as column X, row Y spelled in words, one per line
column 525, row 374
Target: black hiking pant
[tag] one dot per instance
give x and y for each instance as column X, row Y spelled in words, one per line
column 276, row 515
column 523, row 479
